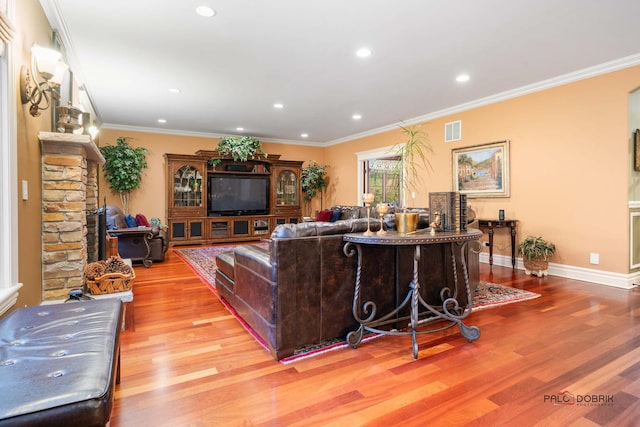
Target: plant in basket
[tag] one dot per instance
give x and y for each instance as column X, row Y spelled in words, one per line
column 536, row 252
column 109, row 276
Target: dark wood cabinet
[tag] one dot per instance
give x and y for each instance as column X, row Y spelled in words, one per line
column 194, row 216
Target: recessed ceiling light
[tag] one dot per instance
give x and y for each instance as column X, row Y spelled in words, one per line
column 239, row 129
column 304, row 135
column 356, row 116
column 462, row 78
column 278, row 105
column 364, row 52
column 205, row 11
column 162, row 120
column 174, row 90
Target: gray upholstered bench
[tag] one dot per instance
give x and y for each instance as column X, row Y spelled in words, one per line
column 59, row 364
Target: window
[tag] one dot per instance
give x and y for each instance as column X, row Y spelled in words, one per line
column 379, row 173
column 8, row 187
column 382, row 178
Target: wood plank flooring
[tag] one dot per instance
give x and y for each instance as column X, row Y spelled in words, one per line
column 190, row 363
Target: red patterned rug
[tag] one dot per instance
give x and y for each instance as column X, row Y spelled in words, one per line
column 202, row 261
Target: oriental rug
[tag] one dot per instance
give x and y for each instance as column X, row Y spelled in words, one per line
column 202, row 261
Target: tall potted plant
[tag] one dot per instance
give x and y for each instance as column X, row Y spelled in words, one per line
column 123, row 168
column 241, row 148
column 314, row 180
column 414, row 155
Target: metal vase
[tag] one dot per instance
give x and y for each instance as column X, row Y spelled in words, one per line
column 406, row 222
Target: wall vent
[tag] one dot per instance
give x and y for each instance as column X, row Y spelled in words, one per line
column 453, row 131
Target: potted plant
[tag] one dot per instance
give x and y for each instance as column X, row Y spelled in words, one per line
column 313, row 179
column 535, row 253
column 414, row 155
column 241, row 148
column 123, row 168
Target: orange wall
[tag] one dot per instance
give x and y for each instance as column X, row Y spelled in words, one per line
column 569, row 166
column 150, row 199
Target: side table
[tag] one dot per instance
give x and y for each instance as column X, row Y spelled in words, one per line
column 491, row 224
column 449, row 310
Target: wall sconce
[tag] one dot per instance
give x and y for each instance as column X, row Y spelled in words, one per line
column 40, row 82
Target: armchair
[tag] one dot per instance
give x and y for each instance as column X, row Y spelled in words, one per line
column 131, row 240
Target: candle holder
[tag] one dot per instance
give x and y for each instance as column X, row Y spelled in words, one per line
column 367, row 198
column 382, row 209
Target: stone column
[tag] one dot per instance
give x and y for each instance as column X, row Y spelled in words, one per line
column 92, row 206
column 69, row 188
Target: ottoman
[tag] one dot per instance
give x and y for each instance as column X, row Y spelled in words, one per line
column 225, row 276
column 59, row 363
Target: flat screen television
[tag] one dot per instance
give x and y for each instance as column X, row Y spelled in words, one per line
column 237, row 195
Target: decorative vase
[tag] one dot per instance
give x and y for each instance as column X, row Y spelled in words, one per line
column 406, row 222
column 537, row 267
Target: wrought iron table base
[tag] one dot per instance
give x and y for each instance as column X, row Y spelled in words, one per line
column 449, row 311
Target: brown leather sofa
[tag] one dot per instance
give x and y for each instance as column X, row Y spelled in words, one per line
column 133, row 246
column 298, row 290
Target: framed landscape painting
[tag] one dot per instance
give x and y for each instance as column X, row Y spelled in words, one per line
column 481, row 170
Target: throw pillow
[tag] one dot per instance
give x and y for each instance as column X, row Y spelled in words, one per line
column 142, row 220
column 131, row 221
column 335, row 214
column 324, row 215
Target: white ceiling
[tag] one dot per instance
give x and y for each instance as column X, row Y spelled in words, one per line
column 233, row 67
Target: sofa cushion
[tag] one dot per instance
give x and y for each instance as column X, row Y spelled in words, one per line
column 225, row 263
column 141, row 220
column 336, row 213
column 349, row 212
column 329, row 228
column 324, row 215
column 131, row 221
column 287, row 231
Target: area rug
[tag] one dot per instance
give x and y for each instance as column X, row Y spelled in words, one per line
column 202, row 261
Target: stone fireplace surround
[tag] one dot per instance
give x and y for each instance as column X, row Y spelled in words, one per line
column 69, row 204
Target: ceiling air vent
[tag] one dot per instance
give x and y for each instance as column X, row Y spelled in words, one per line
column 453, row 131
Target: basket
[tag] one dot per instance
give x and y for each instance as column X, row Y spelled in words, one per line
column 535, row 264
column 111, row 282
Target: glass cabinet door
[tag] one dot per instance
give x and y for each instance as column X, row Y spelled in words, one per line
column 187, row 187
column 287, row 189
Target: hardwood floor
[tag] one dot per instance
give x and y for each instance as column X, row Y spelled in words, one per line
column 190, row 363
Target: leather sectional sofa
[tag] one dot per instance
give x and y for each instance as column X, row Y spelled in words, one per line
column 298, row 291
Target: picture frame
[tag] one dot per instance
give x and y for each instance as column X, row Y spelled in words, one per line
column 481, row 170
column 636, row 150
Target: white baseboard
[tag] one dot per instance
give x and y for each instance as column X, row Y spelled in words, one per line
column 600, row 277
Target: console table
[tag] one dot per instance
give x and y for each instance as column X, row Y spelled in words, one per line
column 496, row 223
column 450, row 310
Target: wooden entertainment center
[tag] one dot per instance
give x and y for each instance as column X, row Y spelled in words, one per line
column 195, row 216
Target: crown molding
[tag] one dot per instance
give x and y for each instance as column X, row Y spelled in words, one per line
column 179, row 132
column 586, row 73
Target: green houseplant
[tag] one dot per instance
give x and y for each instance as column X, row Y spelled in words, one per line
column 313, row 179
column 414, row 155
column 123, row 168
column 241, row 148
column 535, row 252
